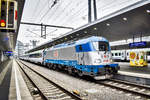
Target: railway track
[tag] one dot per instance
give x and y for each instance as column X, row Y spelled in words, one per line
column 136, row 89
column 48, row 89
column 31, row 86
column 132, row 88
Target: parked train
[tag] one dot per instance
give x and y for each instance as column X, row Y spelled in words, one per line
column 90, row 56
column 123, row 55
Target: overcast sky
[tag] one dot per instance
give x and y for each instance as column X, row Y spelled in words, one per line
column 70, row 13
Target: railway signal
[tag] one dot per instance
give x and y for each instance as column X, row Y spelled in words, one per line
column 8, row 15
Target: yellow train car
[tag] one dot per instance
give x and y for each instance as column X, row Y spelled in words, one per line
column 138, row 59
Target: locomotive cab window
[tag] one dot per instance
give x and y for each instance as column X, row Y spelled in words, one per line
column 80, row 47
column 148, row 53
column 119, row 54
column 101, row 46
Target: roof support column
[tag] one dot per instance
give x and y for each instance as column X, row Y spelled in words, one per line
column 89, row 11
column 141, row 37
column 95, row 9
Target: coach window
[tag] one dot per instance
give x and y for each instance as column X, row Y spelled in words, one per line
column 80, row 47
column 148, row 53
column 127, row 53
column 116, row 54
column 40, row 55
column 112, row 54
column 119, row 54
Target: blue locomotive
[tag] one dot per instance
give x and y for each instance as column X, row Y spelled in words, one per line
column 90, row 56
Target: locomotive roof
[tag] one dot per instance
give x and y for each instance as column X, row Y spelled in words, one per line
column 79, row 42
column 91, row 39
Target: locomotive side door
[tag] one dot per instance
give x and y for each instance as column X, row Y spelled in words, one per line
column 80, row 55
column 81, row 58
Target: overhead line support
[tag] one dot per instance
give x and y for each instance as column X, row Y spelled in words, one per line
column 43, row 27
column 46, row 25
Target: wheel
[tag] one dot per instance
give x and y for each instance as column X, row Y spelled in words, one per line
column 46, row 64
column 115, row 71
column 54, row 66
column 80, row 73
column 43, row 64
column 69, row 70
column 49, row 65
column 59, row 66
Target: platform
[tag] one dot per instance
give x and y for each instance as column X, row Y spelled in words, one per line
column 139, row 75
column 12, row 85
column 125, row 67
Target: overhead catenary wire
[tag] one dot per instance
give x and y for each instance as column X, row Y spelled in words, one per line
column 35, row 9
column 41, row 10
column 54, row 3
column 73, row 13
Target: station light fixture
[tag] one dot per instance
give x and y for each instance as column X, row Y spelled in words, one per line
column 65, row 38
column 148, row 11
column 108, row 24
column 71, row 37
column 85, row 31
column 11, row 35
column 125, row 19
column 77, row 34
column 95, row 28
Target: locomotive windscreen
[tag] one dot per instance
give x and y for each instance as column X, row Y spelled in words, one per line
column 101, row 46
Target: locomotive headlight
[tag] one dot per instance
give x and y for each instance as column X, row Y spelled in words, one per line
column 97, row 61
column 111, row 60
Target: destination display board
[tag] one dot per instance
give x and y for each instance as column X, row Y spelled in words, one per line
column 138, row 44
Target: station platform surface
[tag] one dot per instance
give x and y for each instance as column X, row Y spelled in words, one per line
column 12, row 85
column 126, row 69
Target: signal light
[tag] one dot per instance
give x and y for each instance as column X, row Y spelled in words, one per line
column 16, row 15
column 2, row 23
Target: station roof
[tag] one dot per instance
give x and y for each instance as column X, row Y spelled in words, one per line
column 120, row 25
column 8, row 39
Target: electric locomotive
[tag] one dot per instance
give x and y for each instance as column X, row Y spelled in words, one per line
column 90, row 56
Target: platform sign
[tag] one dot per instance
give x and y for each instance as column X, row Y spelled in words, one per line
column 137, row 44
column 8, row 53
